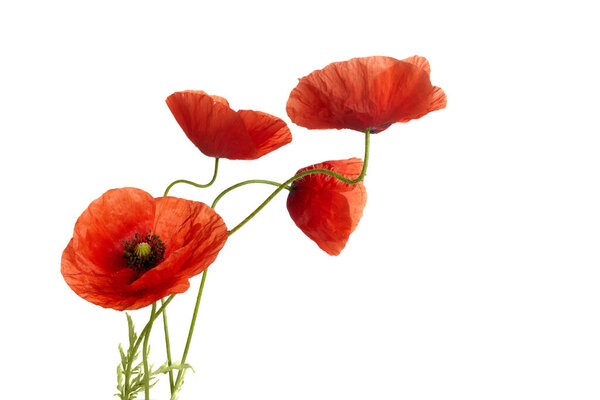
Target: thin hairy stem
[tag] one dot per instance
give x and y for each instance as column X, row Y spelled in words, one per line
column 191, row 332
column 165, row 323
column 168, row 346
column 145, row 354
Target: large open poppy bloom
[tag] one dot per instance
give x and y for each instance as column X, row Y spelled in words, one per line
column 326, row 209
column 129, row 249
column 220, row 132
column 365, row 93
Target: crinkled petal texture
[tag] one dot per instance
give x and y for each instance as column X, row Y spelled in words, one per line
column 219, row 131
column 93, row 263
column 365, row 93
column 326, row 209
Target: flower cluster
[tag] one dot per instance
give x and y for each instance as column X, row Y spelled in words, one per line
column 130, row 249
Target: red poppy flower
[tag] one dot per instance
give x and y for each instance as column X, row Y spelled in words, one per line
column 129, row 249
column 326, row 209
column 218, row 131
column 365, row 93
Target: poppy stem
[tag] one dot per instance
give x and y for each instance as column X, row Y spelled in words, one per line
column 198, row 185
column 141, row 337
column 145, row 353
column 366, row 158
column 237, row 185
column 165, row 323
column 303, row 174
column 179, row 379
column 168, row 345
column 149, row 324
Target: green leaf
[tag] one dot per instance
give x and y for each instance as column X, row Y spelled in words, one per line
column 123, row 357
column 132, row 335
column 119, row 378
column 163, row 369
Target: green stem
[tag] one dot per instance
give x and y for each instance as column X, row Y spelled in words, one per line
column 145, row 354
column 168, row 345
column 198, row 185
column 138, row 342
column 190, row 333
column 237, row 185
column 310, row 172
column 149, row 324
column 165, row 323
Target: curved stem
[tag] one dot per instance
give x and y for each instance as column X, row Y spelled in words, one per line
column 165, row 323
column 145, row 354
column 310, row 172
column 237, row 185
column 168, row 345
column 198, row 185
column 191, row 332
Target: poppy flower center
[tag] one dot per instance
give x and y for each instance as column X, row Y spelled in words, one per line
column 143, row 252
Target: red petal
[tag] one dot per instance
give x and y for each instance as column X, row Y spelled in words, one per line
column 109, row 220
column 326, row 209
column 420, row 62
column 218, row 131
column 107, row 291
column 438, row 99
column 211, row 125
column 218, row 99
column 193, row 231
column 267, row 131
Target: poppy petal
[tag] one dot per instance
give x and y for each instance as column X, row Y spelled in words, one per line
column 403, row 91
column 326, row 209
column 420, row 62
column 88, row 280
column 218, row 99
column 267, row 131
column 191, row 226
column 219, row 131
column 109, row 220
column 438, row 99
column 211, row 125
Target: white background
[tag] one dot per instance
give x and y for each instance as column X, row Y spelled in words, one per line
column 474, row 273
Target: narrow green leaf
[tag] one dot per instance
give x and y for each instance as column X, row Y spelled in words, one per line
column 119, row 378
column 132, row 335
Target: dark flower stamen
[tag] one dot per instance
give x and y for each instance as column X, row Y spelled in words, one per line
column 143, row 252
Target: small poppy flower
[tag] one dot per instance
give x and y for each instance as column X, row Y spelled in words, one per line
column 365, row 93
column 129, row 249
column 326, row 209
column 220, row 132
